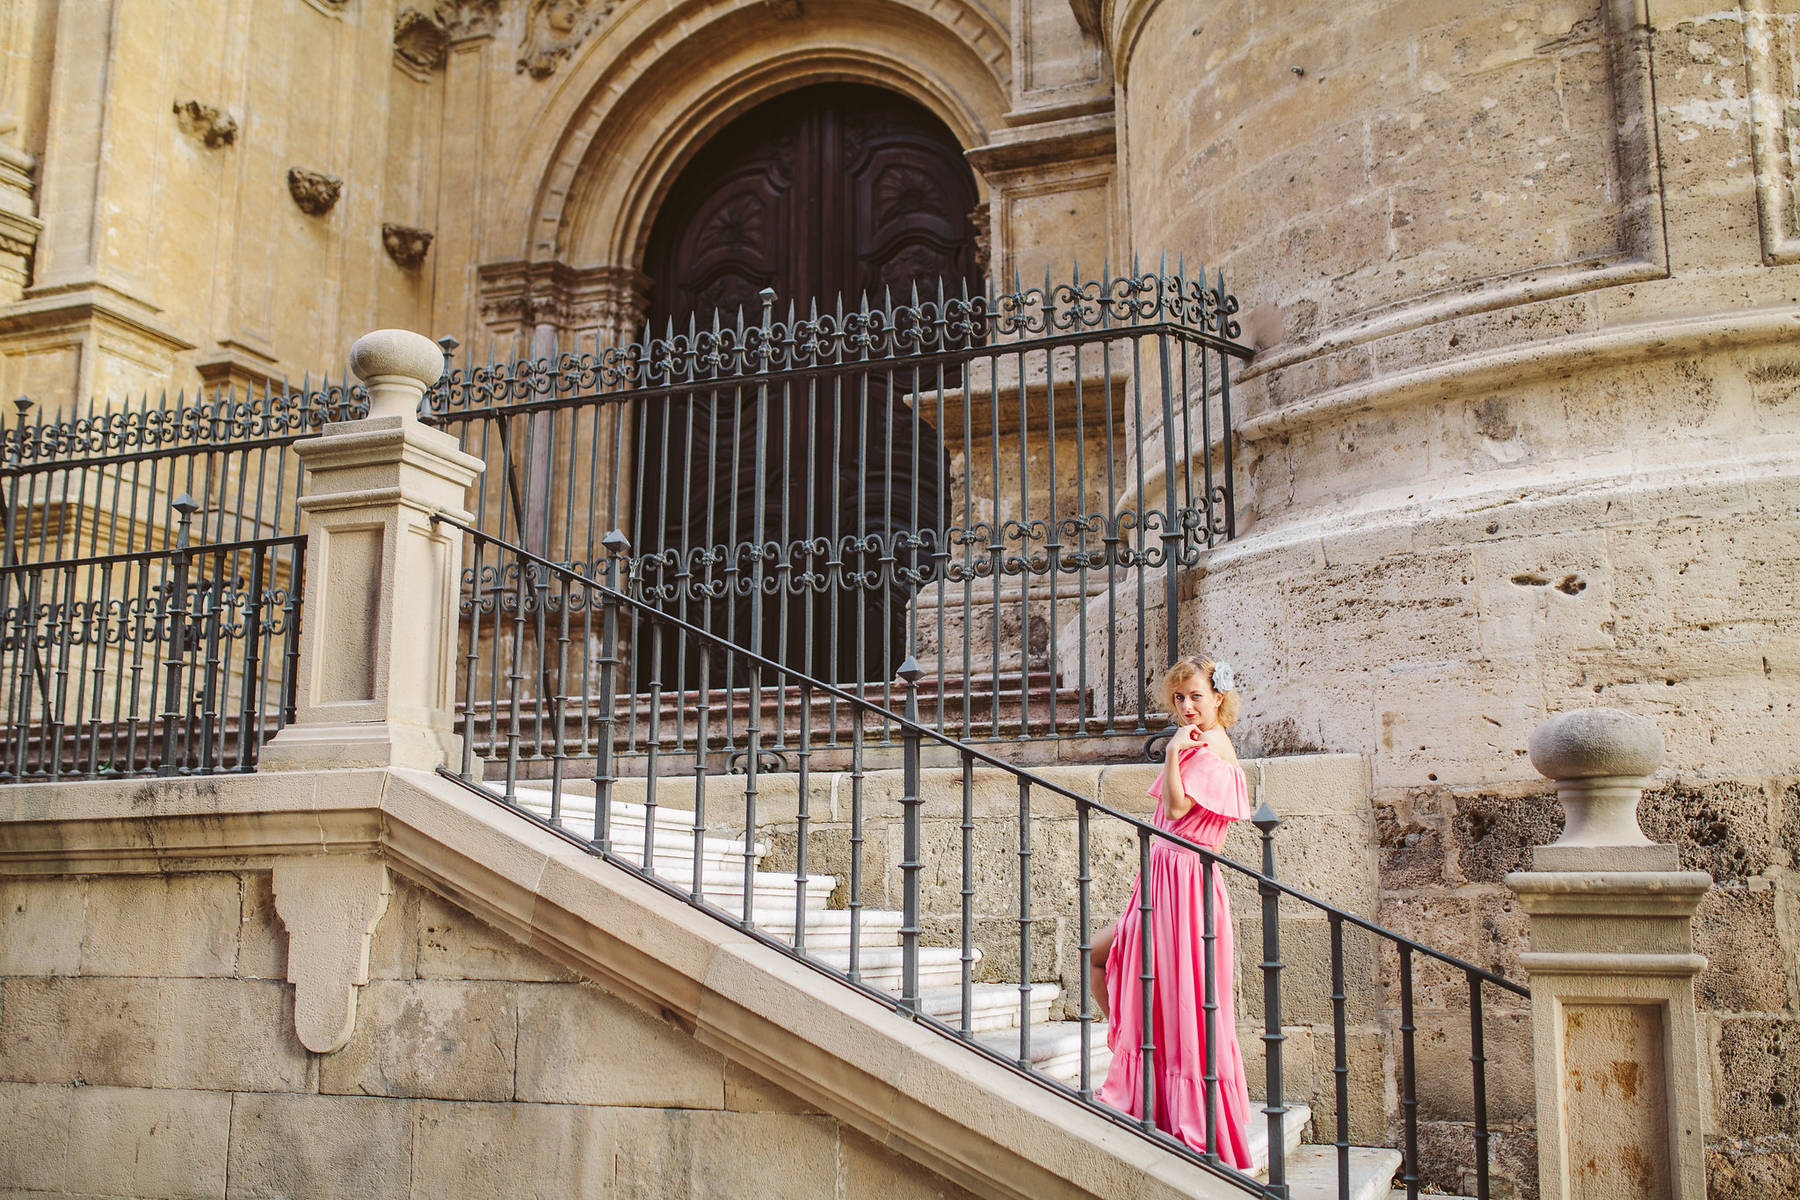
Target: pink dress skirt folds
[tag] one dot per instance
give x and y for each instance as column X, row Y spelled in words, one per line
column 1178, row 959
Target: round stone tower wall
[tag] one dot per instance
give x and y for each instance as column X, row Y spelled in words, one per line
column 1522, row 436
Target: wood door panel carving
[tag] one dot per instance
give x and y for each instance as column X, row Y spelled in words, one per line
column 831, row 191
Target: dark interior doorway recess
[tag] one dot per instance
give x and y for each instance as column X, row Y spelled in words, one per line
column 828, row 192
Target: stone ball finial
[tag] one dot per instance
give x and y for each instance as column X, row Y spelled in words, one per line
column 1599, row 758
column 1592, row 743
column 397, row 365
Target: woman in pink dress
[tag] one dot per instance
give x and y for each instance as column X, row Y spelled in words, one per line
column 1200, row 792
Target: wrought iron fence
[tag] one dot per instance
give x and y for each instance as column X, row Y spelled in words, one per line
column 693, row 826
column 177, row 661
column 1003, row 487
column 150, row 579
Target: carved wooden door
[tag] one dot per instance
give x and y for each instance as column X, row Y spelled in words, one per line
column 828, row 192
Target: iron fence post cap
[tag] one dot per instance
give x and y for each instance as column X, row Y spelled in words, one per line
column 1265, row 818
column 910, row 670
column 1592, row 743
column 401, row 352
column 616, row 542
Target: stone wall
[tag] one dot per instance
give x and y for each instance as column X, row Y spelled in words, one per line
column 147, row 1048
column 1521, row 437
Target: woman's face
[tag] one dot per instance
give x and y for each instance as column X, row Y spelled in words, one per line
column 1195, row 702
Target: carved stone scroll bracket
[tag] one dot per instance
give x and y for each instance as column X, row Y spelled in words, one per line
column 405, row 245
column 314, row 191
column 330, row 907
column 211, row 125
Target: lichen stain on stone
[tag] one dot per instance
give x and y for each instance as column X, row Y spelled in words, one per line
column 1627, row 1076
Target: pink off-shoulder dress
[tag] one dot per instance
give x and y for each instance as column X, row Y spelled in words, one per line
column 1178, row 955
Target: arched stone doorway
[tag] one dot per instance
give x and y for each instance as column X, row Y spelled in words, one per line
column 825, row 194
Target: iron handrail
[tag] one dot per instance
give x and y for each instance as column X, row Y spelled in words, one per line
column 105, row 560
column 974, row 751
column 1269, row 887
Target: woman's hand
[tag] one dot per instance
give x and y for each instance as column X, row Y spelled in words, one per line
column 1187, row 737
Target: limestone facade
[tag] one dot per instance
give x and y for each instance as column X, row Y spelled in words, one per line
column 1523, row 431
column 478, row 1067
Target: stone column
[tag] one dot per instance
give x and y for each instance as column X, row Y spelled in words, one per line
column 378, row 639
column 1615, row 1032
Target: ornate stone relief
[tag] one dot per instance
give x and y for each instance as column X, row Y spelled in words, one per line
column 517, row 296
column 466, row 19
column 421, row 42
column 981, row 219
column 212, row 125
column 404, row 244
column 314, row 191
column 554, row 29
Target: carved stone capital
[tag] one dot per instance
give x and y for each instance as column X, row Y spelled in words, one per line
column 518, row 296
column 314, row 191
column 404, row 244
column 330, row 907
column 211, row 125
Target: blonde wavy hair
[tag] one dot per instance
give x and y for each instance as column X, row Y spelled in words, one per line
column 1198, row 665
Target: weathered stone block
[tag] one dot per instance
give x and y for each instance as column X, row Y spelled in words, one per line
column 34, row 1137
column 746, row 1091
column 41, row 925
column 867, row 1171
column 148, row 1142
column 262, row 939
column 1495, row 833
column 1720, row 828
column 1755, row 1092
column 1444, row 1077
column 431, row 1038
column 579, row 1045
column 232, row 1035
column 1306, row 974
column 503, row 1149
column 331, row 1147
column 1369, row 1087
column 1412, row 840
column 162, row 925
column 452, row 944
column 1744, row 1169
column 394, row 946
column 63, row 1029
column 1747, row 968
column 724, row 1155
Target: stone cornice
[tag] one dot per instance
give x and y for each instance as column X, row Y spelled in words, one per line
column 93, row 303
column 1025, row 148
column 971, row 1120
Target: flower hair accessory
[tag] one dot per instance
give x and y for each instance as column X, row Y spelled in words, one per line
column 1223, row 677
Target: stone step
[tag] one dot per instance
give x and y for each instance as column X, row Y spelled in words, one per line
column 625, row 826
column 774, row 890
column 1056, row 1050
column 829, row 928
column 992, row 1006
column 879, row 966
column 1312, row 1173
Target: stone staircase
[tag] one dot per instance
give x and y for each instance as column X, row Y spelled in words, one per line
column 824, row 934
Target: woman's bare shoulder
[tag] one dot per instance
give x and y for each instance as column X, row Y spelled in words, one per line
column 1219, row 742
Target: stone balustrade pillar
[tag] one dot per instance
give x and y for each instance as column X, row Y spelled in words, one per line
column 1616, row 1034
column 379, row 618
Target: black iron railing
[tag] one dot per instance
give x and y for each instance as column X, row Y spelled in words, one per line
column 1003, row 487
column 711, row 852
column 177, row 661
column 150, row 579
